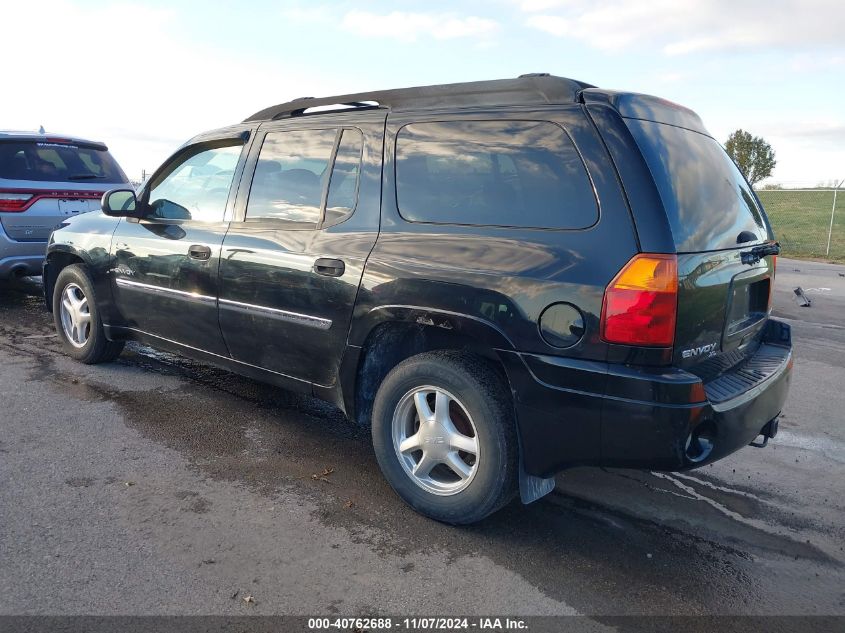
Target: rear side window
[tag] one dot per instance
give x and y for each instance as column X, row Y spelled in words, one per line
column 290, row 176
column 524, row 174
column 58, row 162
column 707, row 201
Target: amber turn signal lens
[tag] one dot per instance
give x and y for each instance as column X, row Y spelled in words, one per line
column 641, row 303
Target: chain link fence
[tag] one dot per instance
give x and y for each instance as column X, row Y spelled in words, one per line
column 809, row 222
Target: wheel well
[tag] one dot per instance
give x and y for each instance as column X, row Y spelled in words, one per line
column 390, row 343
column 58, row 262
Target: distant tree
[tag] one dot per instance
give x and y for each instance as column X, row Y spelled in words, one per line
column 753, row 155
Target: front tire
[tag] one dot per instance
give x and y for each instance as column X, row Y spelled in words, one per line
column 444, row 436
column 77, row 318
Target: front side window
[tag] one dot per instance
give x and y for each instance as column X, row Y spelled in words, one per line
column 290, row 176
column 343, row 188
column 524, row 174
column 196, row 186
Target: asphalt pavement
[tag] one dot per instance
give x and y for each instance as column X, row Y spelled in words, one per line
column 159, row 485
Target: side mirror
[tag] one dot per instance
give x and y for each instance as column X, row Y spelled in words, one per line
column 119, row 203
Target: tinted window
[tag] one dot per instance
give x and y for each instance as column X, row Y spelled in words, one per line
column 57, row 162
column 707, row 200
column 503, row 173
column 196, row 185
column 290, row 176
column 343, row 188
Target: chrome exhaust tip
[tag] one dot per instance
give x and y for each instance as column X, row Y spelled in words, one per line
column 700, row 443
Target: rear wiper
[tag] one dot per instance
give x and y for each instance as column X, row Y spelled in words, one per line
column 759, row 252
column 84, row 177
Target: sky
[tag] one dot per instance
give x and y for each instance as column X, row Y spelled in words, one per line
column 145, row 76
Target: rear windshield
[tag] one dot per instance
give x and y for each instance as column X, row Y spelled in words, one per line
column 707, row 200
column 57, row 162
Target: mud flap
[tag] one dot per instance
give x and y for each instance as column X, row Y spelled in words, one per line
column 532, row 487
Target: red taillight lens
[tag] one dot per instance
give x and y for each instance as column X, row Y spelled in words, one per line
column 641, row 303
column 19, row 200
column 12, row 201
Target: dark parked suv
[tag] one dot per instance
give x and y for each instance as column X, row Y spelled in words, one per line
column 503, row 278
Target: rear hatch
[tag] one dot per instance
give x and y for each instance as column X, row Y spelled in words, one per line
column 715, row 218
column 44, row 180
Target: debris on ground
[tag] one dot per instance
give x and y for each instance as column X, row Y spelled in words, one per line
column 234, row 595
column 323, row 476
column 802, row 299
column 248, row 599
column 128, row 483
column 348, row 504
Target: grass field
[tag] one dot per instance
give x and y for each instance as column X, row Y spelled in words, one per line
column 801, row 219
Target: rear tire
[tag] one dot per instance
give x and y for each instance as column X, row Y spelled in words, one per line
column 444, row 436
column 77, row 318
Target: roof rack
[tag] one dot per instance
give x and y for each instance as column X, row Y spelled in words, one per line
column 530, row 89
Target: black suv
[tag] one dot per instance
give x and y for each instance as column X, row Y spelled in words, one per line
column 503, row 278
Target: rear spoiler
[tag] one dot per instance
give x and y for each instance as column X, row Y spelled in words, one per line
column 55, row 140
column 631, row 105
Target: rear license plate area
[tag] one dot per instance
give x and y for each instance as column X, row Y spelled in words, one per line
column 749, row 304
column 72, row 207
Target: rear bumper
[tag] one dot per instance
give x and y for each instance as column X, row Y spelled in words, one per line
column 574, row 412
column 20, row 258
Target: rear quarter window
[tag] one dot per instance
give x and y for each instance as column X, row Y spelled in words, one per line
column 708, row 202
column 525, row 174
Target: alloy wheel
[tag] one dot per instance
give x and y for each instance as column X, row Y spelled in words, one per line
column 435, row 440
column 75, row 315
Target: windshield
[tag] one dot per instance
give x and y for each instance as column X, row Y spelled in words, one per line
column 57, row 162
column 707, row 200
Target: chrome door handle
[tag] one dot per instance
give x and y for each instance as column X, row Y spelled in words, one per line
column 199, row 251
column 329, row 267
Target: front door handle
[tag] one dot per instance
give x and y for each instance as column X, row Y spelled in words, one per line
column 329, row 267
column 199, row 251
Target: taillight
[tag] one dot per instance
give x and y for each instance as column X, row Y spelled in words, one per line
column 13, row 201
column 19, row 200
column 641, row 303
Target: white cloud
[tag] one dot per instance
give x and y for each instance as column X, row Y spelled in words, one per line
column 542, row 5
column 131, row 76
column 679, row 27
column 407, row 26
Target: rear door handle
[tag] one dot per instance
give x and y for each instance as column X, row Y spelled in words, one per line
column 329, row 267
column 199, row 251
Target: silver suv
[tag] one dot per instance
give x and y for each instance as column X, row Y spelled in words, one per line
column 44, row 179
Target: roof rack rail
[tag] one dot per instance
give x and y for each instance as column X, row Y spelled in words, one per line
column 335, row 107
column 531, row 89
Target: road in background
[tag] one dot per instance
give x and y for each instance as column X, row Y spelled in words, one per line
column 158, row 485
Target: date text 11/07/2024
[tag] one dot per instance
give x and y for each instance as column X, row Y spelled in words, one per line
column 418, row 624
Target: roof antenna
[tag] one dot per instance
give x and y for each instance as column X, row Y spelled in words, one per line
column 41, row 130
